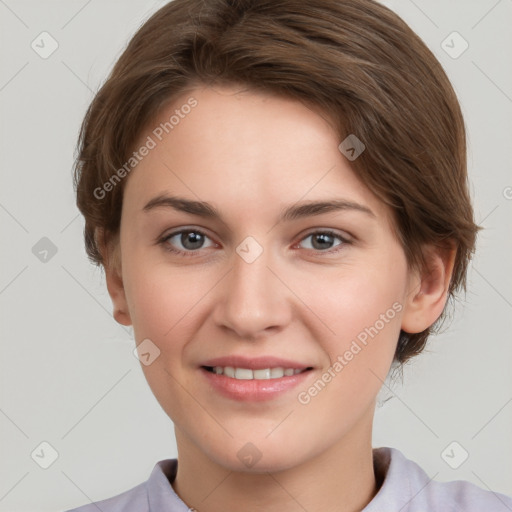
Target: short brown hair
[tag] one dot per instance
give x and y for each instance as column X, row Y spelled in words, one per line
column 355, row 60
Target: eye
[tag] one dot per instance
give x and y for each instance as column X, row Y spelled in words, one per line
column 323, row 240
column 190, row 239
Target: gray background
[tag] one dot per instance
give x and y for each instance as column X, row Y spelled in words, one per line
column 68, row 374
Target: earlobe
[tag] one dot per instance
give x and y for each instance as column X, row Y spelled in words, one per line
column 427, row 293
column 117, row 294
column 112, row 265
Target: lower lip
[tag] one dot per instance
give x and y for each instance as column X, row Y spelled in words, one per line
column 254, row 390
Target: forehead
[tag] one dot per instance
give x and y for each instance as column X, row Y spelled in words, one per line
column 243, row 151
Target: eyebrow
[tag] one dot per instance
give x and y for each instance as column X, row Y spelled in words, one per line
column 294, row 212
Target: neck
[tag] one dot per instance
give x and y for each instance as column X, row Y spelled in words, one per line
column 339, row 479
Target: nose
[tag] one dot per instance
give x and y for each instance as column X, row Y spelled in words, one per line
column 253, row 299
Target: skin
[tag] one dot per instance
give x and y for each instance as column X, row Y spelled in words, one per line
column 251, row 155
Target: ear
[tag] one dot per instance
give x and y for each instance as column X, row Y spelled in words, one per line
column 111, row 254
column 428, row 289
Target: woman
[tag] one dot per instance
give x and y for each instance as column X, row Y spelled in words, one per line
column 278, row 194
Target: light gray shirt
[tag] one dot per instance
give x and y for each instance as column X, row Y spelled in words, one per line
column 405, row 488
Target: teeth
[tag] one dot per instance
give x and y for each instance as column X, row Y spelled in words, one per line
column 275, row 373
column 243, row 373
column 261, row 374
column 248, row 374
column 229, row 371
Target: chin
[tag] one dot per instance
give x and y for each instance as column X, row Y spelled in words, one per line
column 256, row 457
column 272, row 464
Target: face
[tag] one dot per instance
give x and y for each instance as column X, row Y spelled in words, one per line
column 320, row 290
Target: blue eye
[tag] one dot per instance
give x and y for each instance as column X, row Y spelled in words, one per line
column 323, row 238
column 192, row 240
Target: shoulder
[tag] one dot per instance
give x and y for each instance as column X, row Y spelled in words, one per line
column 135, row 499
column 151, row 496
column 465, row 496
column 406, row 484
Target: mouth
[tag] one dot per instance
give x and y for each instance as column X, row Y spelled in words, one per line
column 254, row 385
column 261, row 374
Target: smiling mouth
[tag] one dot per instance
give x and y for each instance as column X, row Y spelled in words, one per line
column 260, row 374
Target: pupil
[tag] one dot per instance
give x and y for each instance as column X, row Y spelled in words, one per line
column 193, row 238
column 322, row 236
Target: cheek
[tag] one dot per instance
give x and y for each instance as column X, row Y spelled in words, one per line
column 362, row 308
column 355, row 298
column 161, row 303
column 164, row 305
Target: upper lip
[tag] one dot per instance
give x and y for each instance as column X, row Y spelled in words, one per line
column 255, row 363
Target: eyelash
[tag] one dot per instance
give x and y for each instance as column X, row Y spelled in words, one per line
column 163, row 241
